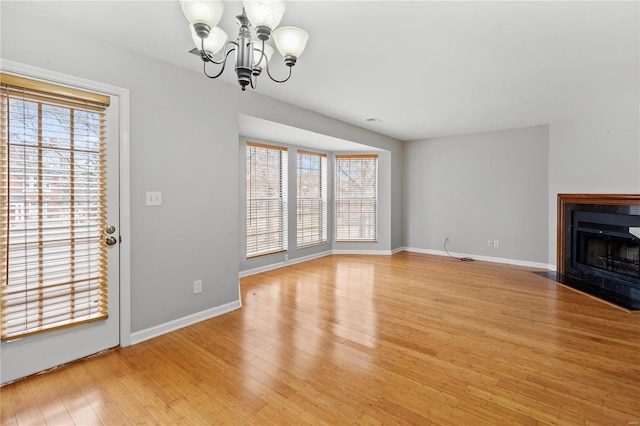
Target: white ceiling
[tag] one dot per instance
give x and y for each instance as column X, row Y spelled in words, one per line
column 425, row 68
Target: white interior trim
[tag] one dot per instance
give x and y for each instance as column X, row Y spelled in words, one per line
column 517, row 262
column 167, row 327
column 278, row 265
column 366, row 252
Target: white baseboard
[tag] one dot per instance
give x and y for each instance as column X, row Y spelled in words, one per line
column 158, row 330
column 365, row 252
column 517, row 262
column 278, row 265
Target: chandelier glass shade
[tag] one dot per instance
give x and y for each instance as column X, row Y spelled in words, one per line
column 252, row 52
column 212, row 44
column 264, row 13
column 206, row 12
column 290, row 41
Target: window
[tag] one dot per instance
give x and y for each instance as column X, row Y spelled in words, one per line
column 356, row 197
column 312, row 198
column 52, row 183
column 266, row 199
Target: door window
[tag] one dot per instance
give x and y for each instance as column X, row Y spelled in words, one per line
column 52, row 218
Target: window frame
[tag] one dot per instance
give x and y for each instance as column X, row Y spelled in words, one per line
column 282, row 205
column 322, row 199
column 340, row 238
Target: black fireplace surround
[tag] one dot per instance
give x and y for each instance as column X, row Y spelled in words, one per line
column 599, row 250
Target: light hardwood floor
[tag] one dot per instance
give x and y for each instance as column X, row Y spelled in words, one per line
column 397, row 339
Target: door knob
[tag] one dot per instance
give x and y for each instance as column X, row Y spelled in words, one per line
column 111, row 241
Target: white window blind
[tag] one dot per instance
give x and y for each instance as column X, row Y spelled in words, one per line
column 266, row 199
column 52, row 214
column 312, row 198
column 356, row 197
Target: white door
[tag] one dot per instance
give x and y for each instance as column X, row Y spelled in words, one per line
column 37, row 352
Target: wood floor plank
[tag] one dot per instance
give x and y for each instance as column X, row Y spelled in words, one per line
column 47, row 398
column 402, row 339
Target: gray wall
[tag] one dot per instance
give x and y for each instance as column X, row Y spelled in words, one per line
column 397, row 196
column 477, row 187
column 595, row 153
column 191, row 236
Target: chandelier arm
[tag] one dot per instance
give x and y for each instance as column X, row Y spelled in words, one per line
column 224, row 64
column 209, row 57
column 278, row 81
column 254, row 84
column 262, row 56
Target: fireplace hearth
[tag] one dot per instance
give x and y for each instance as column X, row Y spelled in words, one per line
column 599, row 246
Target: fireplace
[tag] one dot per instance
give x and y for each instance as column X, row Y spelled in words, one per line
column 599, row 246
column 606, row 245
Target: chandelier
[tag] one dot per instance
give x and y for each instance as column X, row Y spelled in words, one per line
column 251, row 55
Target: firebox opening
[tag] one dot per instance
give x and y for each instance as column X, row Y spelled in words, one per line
column 605, row 244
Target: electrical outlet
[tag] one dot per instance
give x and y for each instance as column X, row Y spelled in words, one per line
column 496, row 243
column 490, row 243
column 286, row 257
column 197, row 287
column 153, row 198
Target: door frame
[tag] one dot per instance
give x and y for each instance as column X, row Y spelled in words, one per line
column 124, row 171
